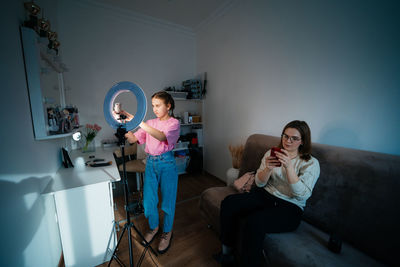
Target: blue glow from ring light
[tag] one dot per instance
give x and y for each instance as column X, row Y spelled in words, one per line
column 117, row 89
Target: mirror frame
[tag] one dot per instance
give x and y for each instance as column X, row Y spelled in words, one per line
column 32, row 56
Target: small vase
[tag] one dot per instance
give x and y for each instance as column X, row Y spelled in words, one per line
column 89, row 146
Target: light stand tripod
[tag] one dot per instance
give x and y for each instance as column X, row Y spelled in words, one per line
column 121, row 131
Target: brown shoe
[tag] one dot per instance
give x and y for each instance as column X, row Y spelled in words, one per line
column 149, row 236
column 165, row 242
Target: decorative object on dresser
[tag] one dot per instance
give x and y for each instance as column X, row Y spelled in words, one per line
column 90, row 134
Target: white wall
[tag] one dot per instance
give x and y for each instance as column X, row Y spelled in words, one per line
column 103, row 45
column 28, row 227
column 334, row 64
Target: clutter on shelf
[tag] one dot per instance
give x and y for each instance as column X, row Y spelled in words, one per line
column 109, row 142
column 62, row 120
column 190, row 89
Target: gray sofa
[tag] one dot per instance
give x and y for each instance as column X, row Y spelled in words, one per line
column 356, row 198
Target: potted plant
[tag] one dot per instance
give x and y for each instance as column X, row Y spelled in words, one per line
column 236, row 153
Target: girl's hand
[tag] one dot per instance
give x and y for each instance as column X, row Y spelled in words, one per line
column 271, row 162
column 117, row 116
column 130, row 137
column 284, row 158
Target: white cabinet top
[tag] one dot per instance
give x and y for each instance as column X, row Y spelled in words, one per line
column 82, row 175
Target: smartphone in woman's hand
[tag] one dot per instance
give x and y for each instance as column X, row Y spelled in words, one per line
column 273, row 150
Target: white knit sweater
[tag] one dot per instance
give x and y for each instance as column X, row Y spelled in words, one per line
column 278, row 185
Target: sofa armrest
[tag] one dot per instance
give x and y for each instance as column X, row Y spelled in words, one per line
column 210, row 203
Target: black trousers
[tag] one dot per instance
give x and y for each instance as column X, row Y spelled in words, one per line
column 262, row 213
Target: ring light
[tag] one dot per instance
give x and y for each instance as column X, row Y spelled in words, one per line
column 117, row 89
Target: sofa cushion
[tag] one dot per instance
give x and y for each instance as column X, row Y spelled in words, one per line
column 210, row 203
column 308, row 246
column 354, row 198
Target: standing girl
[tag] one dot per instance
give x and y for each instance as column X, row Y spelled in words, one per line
column 160, row 136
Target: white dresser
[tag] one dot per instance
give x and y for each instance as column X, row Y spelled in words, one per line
column 84, row 208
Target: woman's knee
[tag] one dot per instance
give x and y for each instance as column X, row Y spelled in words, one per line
column 231, row 200
column 228, row 204
column 253, row 229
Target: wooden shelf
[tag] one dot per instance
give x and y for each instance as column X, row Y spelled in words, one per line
column 54, row 136
column 191, row 124
column 186, row 99
column 180, row 148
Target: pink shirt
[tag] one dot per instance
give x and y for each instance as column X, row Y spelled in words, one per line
column 171, row 129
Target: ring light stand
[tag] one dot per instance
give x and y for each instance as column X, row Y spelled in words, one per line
column 122, row 128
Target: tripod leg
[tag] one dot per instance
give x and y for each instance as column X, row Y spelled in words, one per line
column 115, row 249
column 113, row 234
column 142, row 257
column 147, row 246
column 119, row 261
column 130, row 246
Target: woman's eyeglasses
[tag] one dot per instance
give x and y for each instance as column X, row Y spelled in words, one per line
column 291, row 138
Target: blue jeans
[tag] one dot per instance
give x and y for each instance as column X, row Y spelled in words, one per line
column 160, row 171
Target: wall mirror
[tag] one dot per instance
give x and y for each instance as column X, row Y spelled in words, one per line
column 44, row 73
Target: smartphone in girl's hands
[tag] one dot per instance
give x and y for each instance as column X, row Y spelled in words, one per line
column 273, row 150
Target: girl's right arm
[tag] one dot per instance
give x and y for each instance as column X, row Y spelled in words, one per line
column 262, row 177
column 265, row 170
column 157, row 134
column 131, row 137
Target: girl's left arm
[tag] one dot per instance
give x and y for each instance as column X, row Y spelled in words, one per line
column 303, row 182
column 291, row 174
column 308, row 176
column 160, row 136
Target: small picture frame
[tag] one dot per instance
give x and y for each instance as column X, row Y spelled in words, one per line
column 66, row 159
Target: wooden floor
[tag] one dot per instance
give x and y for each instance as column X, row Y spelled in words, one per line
column 193, row 243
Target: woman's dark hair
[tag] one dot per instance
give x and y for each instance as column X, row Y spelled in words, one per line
column 304, row 130
column 167, row 98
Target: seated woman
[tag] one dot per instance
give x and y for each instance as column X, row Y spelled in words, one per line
column 276, row 204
